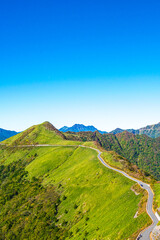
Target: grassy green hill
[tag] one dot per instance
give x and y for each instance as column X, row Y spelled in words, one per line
column 64, row 192
column 44, row 133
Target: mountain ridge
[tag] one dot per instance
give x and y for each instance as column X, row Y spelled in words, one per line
column 152, row 131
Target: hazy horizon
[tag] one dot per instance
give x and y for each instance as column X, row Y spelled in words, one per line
column 78, row 123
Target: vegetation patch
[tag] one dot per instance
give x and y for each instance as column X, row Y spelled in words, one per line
column 28, row 210
column 156, row 189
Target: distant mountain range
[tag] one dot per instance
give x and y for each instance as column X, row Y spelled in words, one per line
column 80, row 128
column 152, row 131
column 4, row 134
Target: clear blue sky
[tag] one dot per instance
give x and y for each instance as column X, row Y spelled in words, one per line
column 91, row 62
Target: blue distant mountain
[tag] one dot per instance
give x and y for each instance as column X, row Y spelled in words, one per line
column 80, row 128
column 4, row 134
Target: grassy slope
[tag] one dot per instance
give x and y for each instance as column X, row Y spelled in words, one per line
column 99, row 196
column 105, row 209
column 156, row 189
column 99, row 202
column 117, row 161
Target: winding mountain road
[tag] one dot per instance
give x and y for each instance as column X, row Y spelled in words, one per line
column 145, row 234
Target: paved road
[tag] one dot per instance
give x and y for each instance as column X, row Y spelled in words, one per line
column 145, row 234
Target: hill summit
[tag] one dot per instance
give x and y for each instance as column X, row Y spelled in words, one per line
column 44, row 133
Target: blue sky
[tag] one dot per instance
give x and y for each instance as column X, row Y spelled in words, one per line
column 90, row 62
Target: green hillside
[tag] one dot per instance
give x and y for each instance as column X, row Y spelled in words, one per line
column 140, row 150
column 64, row 192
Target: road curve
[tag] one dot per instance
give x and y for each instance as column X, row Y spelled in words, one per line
column 145, row 234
